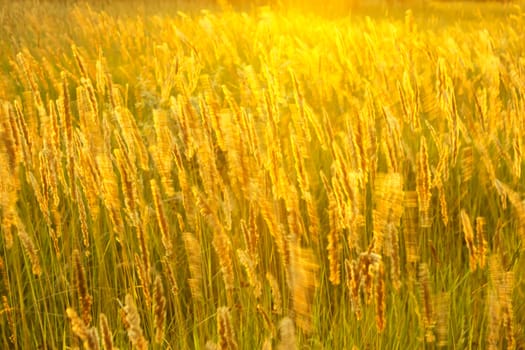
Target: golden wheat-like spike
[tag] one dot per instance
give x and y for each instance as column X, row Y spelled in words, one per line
column 251, row 236
column 277, row 302
column 88, row 181
column 42, row 201
column 334, row 248
column 273, row 162
column 494, row 315
column 380, row 298
column 10, row 145
column 442, row 201
column 133, row 328
column 43, row 162
column 392, row 139
column 250, row 268
column 92, row 99
column 8, row 200
column 481, row 147
column 318, row 128
column 128, row 186
column 4, row 276
column 194, row 255
column 100, row 77
column 144, row 277
column 190, row 122
column 314, row 223
column 88, row 335
column 300, row 170
column 132, row 137
column 80, row 61
column 381, row 213
column 287, row 335
column 225, row 329
column 238, row 166
column 367, row 267
column 30, row 76
column 11, row 322
column 267, row 321
column 395, row 266
column 29, row 248
column 469, row 239
column 466, row 164
column 162, row 155
column 410, row 223
column 82, row 215
column 170, row 276
column 386, row 148
column 85, row 299
column 482, row 244
column 188, row 197
column 77, row 324
column 442, row 318
column 252, row 137
column 293, row 217
column 413, row 92
column 206, row 159
column 453, row 116
column 161, row 218
column 107, row 338
column 353, row 281
column 113, row 93
column 266, row 208
column 501, row 314
column 518, row 156
column 110, row 194
column 518, row 205
column 222, row 245
column 208, row 209
column 23, row 132
column 303, row 283
column 496, row 298
column 221, row 241
column 159, row 309
column 64, row 110
column 9, row 215
column 428, row 315
column 361, row 143
column 423, row 184
column 53, row 218
column 85, row 117
column 508, row 312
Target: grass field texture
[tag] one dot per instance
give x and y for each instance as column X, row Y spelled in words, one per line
column 263, row 178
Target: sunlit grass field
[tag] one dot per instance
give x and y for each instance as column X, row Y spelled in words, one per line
column 174, row 177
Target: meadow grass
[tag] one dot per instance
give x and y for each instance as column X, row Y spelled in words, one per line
column 175, row 177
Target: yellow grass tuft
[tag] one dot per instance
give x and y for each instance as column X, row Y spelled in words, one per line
column 107, row 337
column 287, row 335
column 225, row 329
column 88, row 335
column 159, row 309
column 84, row 297
column 134, row 330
